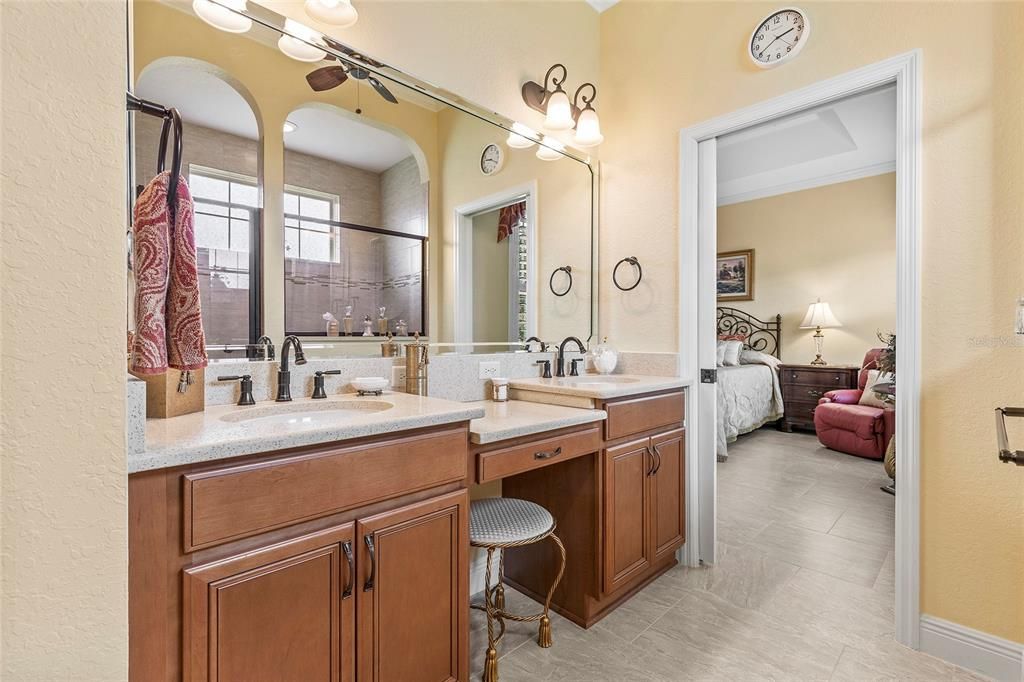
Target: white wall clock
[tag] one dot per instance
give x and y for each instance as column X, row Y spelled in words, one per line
column 492, row 158
column 779, row 38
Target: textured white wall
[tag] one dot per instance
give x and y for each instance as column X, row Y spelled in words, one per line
column 62, row 342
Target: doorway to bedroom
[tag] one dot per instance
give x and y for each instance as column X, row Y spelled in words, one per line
column 801, row 214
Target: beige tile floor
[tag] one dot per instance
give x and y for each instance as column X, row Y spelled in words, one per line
column 802, row 589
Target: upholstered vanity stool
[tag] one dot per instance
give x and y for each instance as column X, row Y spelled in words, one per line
column 500, row 523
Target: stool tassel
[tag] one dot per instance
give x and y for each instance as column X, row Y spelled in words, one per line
column 491, row 666
column 544, row 634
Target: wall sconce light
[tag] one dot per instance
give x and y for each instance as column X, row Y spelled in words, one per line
column 559, row 112
column 339, row 13
column 551, row 152
column 521, row 137
column 300, row 46
column 221, row 15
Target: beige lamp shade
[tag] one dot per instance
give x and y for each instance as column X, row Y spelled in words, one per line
column 819, row 314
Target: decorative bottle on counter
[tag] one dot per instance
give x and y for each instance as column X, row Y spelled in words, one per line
column 401, row 328
column 367, row 326
column 332, row 324
column 605, row 357
column 348, row 320
column 382, row 321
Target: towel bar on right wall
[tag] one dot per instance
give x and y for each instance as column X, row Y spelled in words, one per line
column 1005, row 453
column 632, row 260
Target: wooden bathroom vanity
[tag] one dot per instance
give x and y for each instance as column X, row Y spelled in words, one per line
column 349, row 559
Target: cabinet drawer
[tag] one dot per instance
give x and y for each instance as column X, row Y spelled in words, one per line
column 800, row 411
column 804, row 393
column 234, row 502
column 816, row 377
column 515, row 460
column 628, row 417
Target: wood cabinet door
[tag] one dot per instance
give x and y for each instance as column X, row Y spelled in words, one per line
column 283, row 612
column 668, row 496
column 627, row 485
column 412, row 596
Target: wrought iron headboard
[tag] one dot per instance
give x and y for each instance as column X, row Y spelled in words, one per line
column 761, row 335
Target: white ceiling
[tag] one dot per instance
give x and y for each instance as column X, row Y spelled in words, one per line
column 200, row 97
column 204, row 99
column 331, row 135
column 841, row 141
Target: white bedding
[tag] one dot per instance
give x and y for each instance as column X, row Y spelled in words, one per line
column 749, row 396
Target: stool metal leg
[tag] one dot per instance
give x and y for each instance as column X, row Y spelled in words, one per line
column 491, row 661
column 499, row 592
column 544, row 632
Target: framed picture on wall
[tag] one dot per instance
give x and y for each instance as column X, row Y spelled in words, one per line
column 736, row 275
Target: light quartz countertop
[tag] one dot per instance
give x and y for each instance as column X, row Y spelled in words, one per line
column 220, row 432
column 517, row 418
column 599, row 387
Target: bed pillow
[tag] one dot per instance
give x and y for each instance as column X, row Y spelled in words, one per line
column 756, row 357
column 720, row 353
column 732, row 353
column 868, row 396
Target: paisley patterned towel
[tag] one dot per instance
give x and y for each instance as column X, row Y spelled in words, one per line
column 168, row 317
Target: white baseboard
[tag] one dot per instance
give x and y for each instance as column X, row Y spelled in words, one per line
column 974, row 650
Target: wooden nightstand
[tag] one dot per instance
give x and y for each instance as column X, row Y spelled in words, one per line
column 804, row 385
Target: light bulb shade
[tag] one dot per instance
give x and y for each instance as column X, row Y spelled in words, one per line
column 588, row 129
column 551, row 152
column 335, row 12
column 220, row 16
column 517, row 138
column 819, row 314
column 289, row 127
column 298, row 47
column 558, row 112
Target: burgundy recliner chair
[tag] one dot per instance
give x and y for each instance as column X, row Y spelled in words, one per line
column 844, row 425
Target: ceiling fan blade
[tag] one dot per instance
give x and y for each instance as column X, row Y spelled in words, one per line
column 381, row 90
column 326, row 77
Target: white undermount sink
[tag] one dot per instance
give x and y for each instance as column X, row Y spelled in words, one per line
column 307, row 413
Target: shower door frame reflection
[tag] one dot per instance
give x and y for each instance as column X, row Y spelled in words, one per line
column 339, row 225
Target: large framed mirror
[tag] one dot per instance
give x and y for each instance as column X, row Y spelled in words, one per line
column 340, row 199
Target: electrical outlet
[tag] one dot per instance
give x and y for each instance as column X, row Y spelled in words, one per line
column 489, row 370
column 398, row 377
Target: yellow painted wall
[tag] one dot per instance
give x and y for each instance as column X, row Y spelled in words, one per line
column 836, row 242
column 63, row 486
column 665, row 66
column 491, row 307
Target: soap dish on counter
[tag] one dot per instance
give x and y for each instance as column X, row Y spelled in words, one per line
column 366, row 386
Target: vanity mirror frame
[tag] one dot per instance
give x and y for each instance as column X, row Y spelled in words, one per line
column 352, row 56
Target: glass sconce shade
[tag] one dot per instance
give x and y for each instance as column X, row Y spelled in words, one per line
column 517, row 138
column 335, row 12
column 588, row 129
column 220, row 15
column 298, row 47
column 552, row 152
column 558, row 111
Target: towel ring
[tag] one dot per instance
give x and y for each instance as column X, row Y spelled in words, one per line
column 567, row 269
column 639, row 273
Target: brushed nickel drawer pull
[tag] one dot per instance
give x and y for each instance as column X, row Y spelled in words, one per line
column 657, row 453
column 548, row 455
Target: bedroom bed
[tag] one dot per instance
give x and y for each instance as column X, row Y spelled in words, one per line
column 749, row 394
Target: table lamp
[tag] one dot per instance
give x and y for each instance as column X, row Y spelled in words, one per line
column 819, row 316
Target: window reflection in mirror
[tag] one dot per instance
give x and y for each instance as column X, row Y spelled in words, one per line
column 355, row 223
column 221, row 149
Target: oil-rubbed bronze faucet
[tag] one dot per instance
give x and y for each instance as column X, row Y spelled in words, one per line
column 560, row 358
column 265, row 348
column 284, row 376
column 528, row 349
